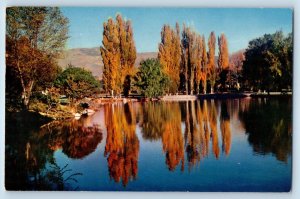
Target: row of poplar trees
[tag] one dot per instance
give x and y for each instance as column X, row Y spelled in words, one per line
column 183, row 58
column 186, row 61
column 118, row 53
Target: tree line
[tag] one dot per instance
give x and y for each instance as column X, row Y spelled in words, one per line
column 186, row 61
column 182, row 57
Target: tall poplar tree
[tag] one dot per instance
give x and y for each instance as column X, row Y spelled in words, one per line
column 110, row 52
column 223, row 59
column 169, row 55
column 204, row 66
column 118, row 52
column 127, row 51
column 211, row 61
column 199, row 66
column 192, row 60
column 198, row 72
column 185, row 57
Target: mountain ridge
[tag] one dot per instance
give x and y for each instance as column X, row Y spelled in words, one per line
column 90, row 59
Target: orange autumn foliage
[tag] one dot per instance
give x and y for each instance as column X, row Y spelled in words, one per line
column 169, row 55
column 122, row 144
column 118, row 52
column 211, row 60
column 223, row 60
column 172, row 138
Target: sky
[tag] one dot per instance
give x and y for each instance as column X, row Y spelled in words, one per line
column 239, row 25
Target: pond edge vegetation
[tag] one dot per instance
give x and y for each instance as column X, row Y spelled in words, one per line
column 185, row 69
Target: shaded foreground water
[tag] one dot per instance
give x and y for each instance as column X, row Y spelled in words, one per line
column 211, row 145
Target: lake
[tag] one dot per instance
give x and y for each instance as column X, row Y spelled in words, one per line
column 208, row 145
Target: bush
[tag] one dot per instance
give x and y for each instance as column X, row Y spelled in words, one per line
column 77, row 82
column 38, row 106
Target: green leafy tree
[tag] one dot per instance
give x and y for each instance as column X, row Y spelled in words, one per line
column 77, row 82
column 150, row 79
column 268, row 62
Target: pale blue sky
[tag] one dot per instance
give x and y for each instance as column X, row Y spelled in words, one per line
column 239, row 25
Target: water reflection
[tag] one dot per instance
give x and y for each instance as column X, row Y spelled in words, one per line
column 225, row 128
column 269, row 126
column 122, row 144
column 29, row 152
column 76, row 140
column 172, row 139
column 188, row 133
column 200, row 118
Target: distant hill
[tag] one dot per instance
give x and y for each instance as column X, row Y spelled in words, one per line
column 90, row 59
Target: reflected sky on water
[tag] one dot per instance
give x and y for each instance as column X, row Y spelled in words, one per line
column 209, row 145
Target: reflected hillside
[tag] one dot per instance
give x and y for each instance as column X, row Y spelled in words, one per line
column 122, row 144
column 268, row 123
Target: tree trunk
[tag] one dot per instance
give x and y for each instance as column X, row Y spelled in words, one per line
column 198, row 89
column 204, row 87
column 27, row 94
column 186, row 82
column 191, row 85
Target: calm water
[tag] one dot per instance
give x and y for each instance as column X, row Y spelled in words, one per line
column 211, row 145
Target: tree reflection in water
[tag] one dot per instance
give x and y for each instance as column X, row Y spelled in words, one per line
column 30, row 164
column 162, row 120
column 200, row 128
column 268, row 123
column 122, row 144
column 76, row 140
column 189, row 132
column 172, row 139
column 225, row 128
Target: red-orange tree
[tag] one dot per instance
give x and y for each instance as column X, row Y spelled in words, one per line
column 169, row 55
column 119, row 54
column 35, row 38
column 223, row 59
column 211, row 61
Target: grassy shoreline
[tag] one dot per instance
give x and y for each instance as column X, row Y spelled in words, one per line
column 66, row 112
